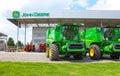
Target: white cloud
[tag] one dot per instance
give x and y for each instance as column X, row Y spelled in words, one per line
column 11, row 4
column 47, row 4
column 82, row 3
column 106, row 5
column 78, row 4
column 5, row 26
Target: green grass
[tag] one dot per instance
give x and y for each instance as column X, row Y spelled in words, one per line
column 59, row 69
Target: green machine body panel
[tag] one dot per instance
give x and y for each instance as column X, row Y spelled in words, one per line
column 66, row 36
column 91, row 35
column 107, row 38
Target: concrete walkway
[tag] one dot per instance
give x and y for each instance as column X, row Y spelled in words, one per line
column 40, row 57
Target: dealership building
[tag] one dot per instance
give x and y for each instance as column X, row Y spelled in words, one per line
column 42, row 20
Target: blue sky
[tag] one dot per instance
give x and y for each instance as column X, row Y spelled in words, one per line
column 83, row 5
column 10, row 29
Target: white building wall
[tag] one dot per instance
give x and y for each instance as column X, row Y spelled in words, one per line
column 38, row 36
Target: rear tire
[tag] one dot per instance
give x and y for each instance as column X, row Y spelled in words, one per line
column 94, row 52
column 54, row 52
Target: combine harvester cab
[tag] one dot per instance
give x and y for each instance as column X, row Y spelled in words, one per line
column 100, row 41
column 64, row 40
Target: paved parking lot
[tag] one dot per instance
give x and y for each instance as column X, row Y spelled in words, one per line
column 40, row 57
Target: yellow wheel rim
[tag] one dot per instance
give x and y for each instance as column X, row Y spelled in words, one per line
column 47, row 53
column 91, row 52
column 50, row 52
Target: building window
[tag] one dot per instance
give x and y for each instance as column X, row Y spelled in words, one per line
column 39, row 34
column 37, row 41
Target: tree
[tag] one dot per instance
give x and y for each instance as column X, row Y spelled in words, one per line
column 20, row 44
column 10, row 42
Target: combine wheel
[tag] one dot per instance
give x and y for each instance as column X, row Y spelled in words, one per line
column 94, row 52
column 54, row 52
column 47, row 52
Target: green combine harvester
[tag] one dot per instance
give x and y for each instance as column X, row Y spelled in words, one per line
column 100, row 41
column 64, row 40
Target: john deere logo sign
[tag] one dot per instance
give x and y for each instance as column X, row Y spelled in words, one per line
column 35, row 14
column 16, row 14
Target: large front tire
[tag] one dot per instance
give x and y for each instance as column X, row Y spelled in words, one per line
column 53, row 52
column 94, row 52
